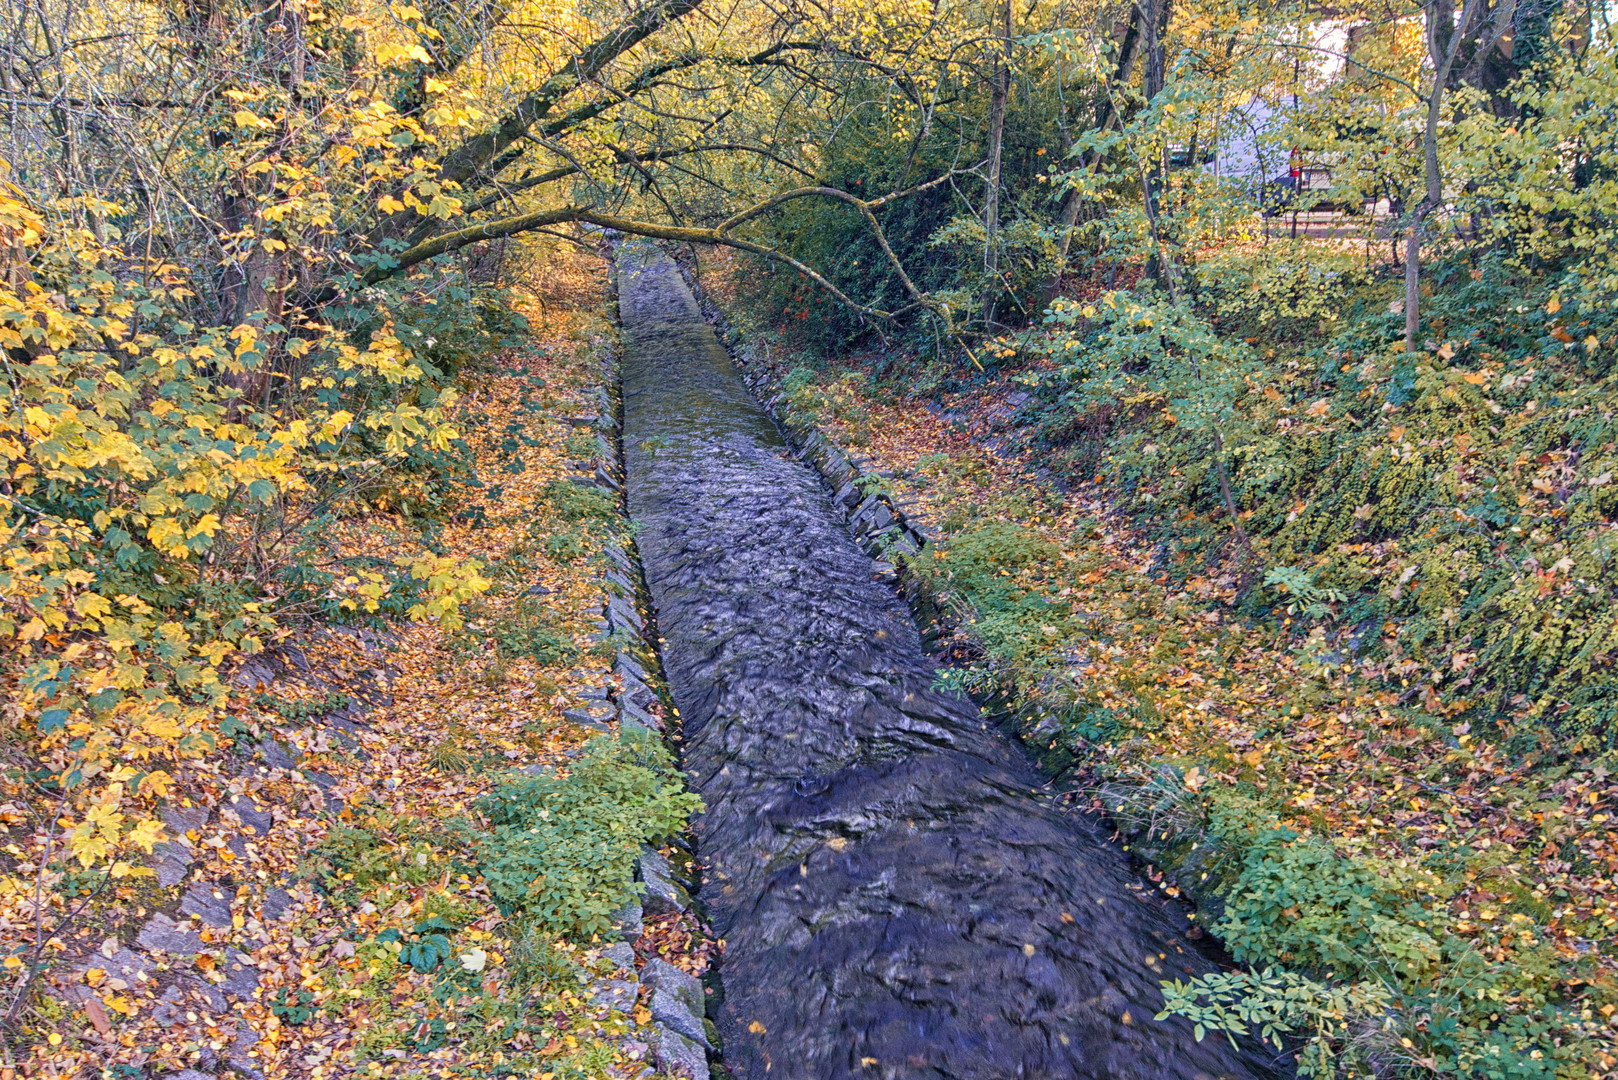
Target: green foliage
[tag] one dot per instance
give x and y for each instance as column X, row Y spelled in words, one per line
column 562, row 849
column 292, row 1006
column 360, row 859
column 1278, row 1003
column 1286, row 288
column 580, row 502
column 985, row 570
column 426, row 945
column 524, row 629
column 1142, row 348
column 329, row 702
column 1313, row 600
column 581, row 445
column 1375, row 968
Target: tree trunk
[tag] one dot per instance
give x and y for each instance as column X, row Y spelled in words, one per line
column 1106, row 117
column 1444, row 37
column 991, row 204
column 1412, row 283
column 1157, row 17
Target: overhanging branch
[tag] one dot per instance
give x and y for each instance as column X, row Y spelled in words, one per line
column 720, row 235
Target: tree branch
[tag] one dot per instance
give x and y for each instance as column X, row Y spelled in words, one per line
column 718, row 235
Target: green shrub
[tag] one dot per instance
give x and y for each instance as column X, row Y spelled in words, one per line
column 562, row 849
column 1379, row 973
column 580, row 502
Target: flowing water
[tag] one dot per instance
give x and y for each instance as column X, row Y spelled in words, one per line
column 897, row 896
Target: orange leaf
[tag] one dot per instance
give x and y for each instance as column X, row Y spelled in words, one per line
column 97, row 1014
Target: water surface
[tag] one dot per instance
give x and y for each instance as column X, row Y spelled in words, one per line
column 897, row 894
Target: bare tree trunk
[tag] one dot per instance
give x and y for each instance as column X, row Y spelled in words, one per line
column 1444, row 37
column 1412, row 282
column 1156, row 24
column 997, row 130
column 1106, row 117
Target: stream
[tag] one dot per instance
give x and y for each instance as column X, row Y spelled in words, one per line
column 899, row 894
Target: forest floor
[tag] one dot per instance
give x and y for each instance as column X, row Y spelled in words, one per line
column 311, row 917
column 1194, row 707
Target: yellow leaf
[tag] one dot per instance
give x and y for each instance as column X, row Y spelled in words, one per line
column 1554, row 306
column 162, row 726
column 146, row 833
column 167, row 536
column 92, row 606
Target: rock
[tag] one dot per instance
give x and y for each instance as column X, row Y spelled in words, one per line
column 239, row 1059
column 617, row 994
column 635, row 691
column 189, row 1074
column 663, row 894
column 677, row 999
column 170, row 1009
column 325, row 783
column 208, row 904
column 621, row 612
column 241, row 977
column 635, row 716
column 207, row 994
column 277, row 756
column 277, row 902
column 626, row 664
column 125, row 970
column 627, row 921
column 879, row 517
column 593, row 715
column 678, row 1054
column 255, row 673
column 171, row 860
column 185, row 818
column 622, row 955
column 163, row 934
column 537, row 590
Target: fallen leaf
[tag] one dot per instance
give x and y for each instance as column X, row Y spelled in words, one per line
column 98, row 1015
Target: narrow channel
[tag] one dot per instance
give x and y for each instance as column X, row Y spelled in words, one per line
column 897, row 896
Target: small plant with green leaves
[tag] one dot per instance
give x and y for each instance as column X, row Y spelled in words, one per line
column 562, row 849
column 1309, row 599
column 425, row 945
column 1277, row 1004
